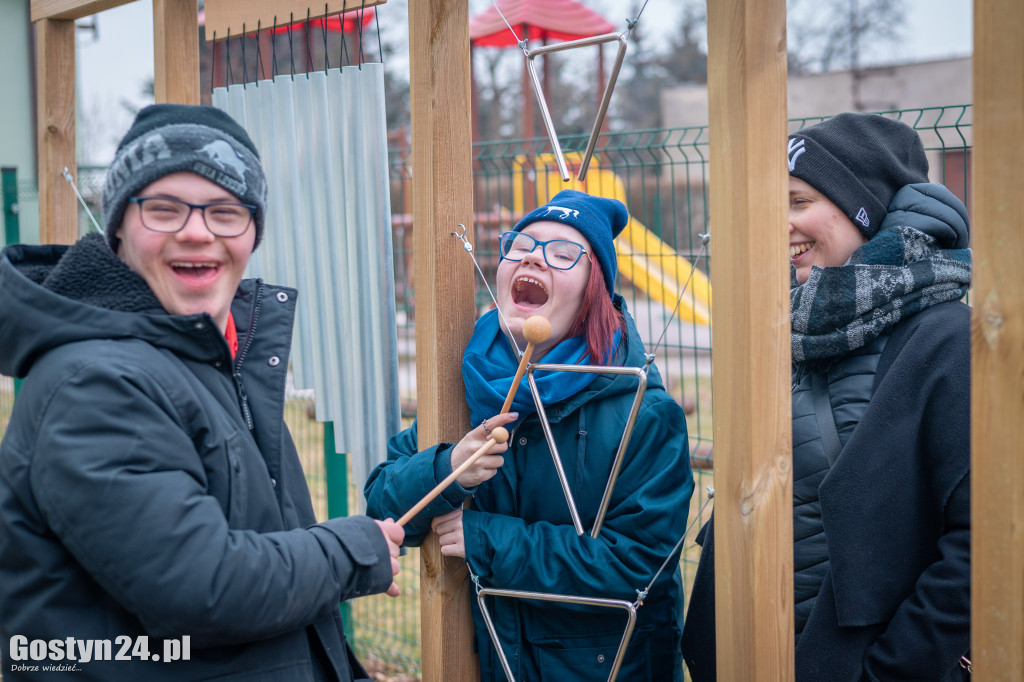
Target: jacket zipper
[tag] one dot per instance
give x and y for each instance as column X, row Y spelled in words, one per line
column 243, row 398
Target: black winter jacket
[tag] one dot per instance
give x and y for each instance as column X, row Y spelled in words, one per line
column 894, row 603
column 150, row 487
column 827, row 406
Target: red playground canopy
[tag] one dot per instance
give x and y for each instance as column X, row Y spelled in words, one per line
column 550, row 19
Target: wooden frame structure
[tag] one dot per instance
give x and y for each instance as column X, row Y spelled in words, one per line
column 997, row 344
column 747, row 104
column 749, row 205
column 176, row 79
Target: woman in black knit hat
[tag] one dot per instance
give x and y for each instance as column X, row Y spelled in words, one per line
column 881, row 414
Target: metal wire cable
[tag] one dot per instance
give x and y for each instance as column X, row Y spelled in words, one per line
column 469, row 249
column 81, row 199
column 260, row 71
column 705, row 238
column 522, row 43
column 642, row 594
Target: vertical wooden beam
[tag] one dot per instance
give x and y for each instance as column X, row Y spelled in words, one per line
column 997, row 343
column 55, row 55
column 751, row 363
column 442, row 198
column 176, row 51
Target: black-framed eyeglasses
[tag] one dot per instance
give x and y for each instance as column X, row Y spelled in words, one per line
column 560, row 254
column 167, row 215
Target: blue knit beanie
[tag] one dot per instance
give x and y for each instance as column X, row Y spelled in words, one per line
column 599, row 220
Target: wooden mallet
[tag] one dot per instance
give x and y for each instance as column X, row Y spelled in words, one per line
column 536, row 330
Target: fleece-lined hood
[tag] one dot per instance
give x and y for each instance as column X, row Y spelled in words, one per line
column 54, row 295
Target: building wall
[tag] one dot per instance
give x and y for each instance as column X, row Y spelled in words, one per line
column 881, row 88
column 17, row 128
column 939, row 88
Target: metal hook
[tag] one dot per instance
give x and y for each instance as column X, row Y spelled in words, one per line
column 81, row 199
column 469, row 249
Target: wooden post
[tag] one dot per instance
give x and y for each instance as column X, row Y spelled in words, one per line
column 751, row 363
column 176, row 51
column 55, row 55
column 997, row 344
column 442, row 197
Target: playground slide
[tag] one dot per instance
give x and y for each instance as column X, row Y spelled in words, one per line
column 644, row 259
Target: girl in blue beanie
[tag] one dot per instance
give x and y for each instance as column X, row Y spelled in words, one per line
column 559, row 262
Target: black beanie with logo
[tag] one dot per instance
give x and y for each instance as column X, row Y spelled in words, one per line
column 859, row 162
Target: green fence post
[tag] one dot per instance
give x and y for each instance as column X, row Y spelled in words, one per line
column 336, row 473
column 12, row 228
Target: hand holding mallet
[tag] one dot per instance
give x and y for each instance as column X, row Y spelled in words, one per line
column 536, row 330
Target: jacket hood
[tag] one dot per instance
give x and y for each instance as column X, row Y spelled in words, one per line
column 932, row 209
column 56, row 295
column 630, row 353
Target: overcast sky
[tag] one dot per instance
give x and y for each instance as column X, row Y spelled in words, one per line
column 114, row 65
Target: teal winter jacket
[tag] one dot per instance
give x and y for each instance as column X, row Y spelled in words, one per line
column 519, row 533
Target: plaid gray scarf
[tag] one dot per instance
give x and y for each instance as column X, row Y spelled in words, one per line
column 897, row 274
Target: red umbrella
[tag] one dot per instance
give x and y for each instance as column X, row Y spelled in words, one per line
column 537, row 20
column 550, row 19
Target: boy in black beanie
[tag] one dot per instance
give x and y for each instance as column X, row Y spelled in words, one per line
column 150, row 494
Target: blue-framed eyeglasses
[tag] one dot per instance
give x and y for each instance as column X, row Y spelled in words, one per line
column 167, row 215
column 560, row 254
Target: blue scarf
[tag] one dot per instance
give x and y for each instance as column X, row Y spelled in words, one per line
column 489, row 365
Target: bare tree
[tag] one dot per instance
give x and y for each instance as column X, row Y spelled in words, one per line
column 686, row 60
column 645, row 74
column 825, row 35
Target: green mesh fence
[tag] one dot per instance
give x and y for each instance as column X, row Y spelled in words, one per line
column 662, row 176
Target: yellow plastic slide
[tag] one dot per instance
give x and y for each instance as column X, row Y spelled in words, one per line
column 644, row 259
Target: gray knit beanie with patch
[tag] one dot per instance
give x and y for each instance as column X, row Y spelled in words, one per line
column 859, row 162
column 170, row 138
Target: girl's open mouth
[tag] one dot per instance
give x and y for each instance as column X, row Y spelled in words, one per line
column 528, row 292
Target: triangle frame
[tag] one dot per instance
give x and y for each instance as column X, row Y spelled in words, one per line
column 627, row 635
column 602, row 110
column 641, row 374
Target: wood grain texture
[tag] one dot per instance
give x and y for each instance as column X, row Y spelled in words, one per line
column 442, row 198
column 751, row 362
column 176, row 51
column 55, row 59
column 71, row 9
column 241, row 17
column 997, row 343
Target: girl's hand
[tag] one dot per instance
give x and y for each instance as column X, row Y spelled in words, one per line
column 449, row 531
column 486, row 466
